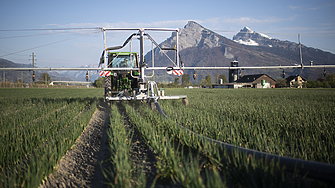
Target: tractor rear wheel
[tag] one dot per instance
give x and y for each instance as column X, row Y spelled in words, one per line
column 108, row 86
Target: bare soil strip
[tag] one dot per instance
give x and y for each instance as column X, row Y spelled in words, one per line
column 80, row 167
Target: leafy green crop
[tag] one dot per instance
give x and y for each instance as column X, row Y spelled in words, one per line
column 289, row 122
column 37, row 127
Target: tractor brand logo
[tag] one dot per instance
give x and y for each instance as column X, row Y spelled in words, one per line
column 178, row 72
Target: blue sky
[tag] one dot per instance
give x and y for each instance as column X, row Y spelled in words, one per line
column 314, row 20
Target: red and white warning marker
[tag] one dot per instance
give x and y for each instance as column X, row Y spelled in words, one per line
column 178, row 72
column 104, row 73
column 101, row 73
column 107, row 73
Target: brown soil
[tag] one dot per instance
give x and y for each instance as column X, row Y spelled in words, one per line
column 80, row 167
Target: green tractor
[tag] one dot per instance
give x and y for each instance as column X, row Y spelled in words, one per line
column 123, row 72
column 122, row 82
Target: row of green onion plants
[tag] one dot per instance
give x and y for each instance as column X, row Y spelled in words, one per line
column 36, row 138
column 122, row 173
column 175, row 163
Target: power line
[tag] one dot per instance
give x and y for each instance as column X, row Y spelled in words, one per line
column 53, row 29
column 47, row 44
column 21, row 36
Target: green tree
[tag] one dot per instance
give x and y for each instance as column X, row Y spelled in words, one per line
column 176, row 80
column 45, row 78
column 185, row 79
column 311, row 84
column 326, row 84
column 203, row 83
column 208, row 80
column 98, row 82
column 319, row 84
column 223, row 77
column 331, row 79
column 281, row 82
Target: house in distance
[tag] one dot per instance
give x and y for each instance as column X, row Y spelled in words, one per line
column 247, row 81
column 295, row 81
column 250, row 81
column 255, row 81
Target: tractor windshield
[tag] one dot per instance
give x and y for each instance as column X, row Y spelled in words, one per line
column 124, row 61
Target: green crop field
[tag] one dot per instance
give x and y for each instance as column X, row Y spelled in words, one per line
column 37, row 127
column 297, row 123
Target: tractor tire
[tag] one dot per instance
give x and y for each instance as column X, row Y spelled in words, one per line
column 108, row 86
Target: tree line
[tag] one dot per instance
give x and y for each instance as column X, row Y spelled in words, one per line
column 324, row 81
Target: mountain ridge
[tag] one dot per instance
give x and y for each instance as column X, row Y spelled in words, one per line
column 13, row 76
column 202, row 47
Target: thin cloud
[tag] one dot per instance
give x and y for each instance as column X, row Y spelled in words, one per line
column 307, row 31
column 321, row 6
column 177, row 23
column 248, row 20
column 172, row 23
column 293, row 7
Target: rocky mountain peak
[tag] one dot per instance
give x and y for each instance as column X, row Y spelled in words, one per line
column 249, row 37
column 194, row 35
column 247, row 30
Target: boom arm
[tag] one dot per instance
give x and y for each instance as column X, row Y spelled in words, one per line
column 164, row 68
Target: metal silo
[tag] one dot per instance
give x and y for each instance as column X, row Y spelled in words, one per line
column 233, row 72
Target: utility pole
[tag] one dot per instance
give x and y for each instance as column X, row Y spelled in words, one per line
column 33, row 63
column 4, row 76
column 300, row 54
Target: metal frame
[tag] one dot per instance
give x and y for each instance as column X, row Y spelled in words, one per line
column 141, row 33
column 152, row 87
column 164, row 68
column 69, row 82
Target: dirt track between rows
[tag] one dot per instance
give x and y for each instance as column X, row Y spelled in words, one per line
column 80, row 167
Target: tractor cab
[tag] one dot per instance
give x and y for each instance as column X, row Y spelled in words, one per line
column 122, row 82
column 123, row 60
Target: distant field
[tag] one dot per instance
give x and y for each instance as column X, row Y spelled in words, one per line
column 298, row 123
